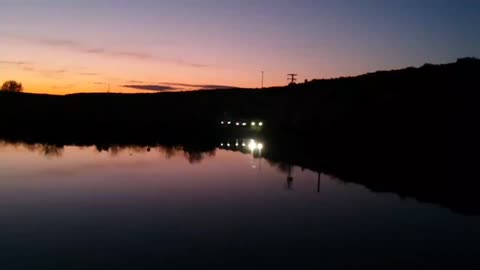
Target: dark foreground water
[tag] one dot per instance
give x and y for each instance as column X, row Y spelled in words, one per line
column 157, row 208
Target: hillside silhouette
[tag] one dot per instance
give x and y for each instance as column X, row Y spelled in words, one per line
column 411, row 131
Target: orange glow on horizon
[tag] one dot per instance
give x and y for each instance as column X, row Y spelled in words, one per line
column 80, row 72
column 69, row 82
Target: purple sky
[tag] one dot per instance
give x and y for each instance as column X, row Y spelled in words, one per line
column 61, row 46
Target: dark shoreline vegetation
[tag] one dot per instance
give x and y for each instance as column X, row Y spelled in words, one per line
column 411, row 132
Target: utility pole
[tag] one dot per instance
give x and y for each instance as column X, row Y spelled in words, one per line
column 262, row 77
column 293, row 78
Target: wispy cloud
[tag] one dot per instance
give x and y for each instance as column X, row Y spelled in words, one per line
column 44, row 72
column 14, row 63
column 109, row 52
column 88, row 73
column 31, row 67
column 80, row 47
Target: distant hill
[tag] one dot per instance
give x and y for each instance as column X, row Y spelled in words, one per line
column 424, row 72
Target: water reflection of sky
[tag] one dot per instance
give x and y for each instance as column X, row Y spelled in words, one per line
column 156, row 206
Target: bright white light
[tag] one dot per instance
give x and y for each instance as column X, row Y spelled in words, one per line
column 244, row 144
column 228, row 144
column 254, row 124
column 221, row 144
column 229, row 122
column 244, row 124
column 238, row 124
column 260, row 124
column 236, row 144
column 252, row 145
column 260, row 146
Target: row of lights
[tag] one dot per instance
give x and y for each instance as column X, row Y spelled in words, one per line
column 252, row 145
column 253, row 124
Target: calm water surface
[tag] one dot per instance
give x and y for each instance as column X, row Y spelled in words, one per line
column 135, row 208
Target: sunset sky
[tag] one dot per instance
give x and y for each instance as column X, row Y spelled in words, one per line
column 66, row 46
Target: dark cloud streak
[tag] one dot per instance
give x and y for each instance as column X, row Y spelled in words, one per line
column 170, row 86
column 158, row 88
column 199, row 86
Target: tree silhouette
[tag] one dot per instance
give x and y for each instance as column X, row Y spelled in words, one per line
column 12, row 86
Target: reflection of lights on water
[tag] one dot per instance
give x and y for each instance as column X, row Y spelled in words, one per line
column 252, row 145
column 260, row 146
